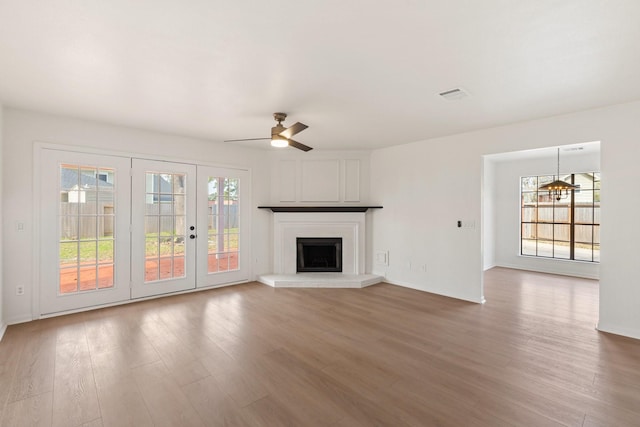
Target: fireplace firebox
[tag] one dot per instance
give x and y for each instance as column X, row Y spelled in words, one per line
column 319, row 254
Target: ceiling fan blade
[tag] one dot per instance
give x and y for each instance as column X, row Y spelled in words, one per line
column 293, row 129
column 299, row 146
column 247, row 139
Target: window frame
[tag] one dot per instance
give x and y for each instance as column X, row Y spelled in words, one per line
column 567, row 239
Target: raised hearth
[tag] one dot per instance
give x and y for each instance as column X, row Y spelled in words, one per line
column 347, row 226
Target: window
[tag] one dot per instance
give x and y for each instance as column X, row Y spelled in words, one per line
column 568, row 228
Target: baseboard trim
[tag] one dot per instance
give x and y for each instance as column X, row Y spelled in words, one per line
column 624, row 332
column 133, row 301
column 3, row 329
column 412, row 286
column 548, row 271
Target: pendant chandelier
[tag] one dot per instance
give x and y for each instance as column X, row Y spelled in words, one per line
column 557, row 187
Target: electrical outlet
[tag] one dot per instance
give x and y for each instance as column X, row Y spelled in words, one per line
column 19, row 290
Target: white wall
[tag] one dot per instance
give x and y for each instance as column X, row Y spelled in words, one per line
column 426, row 186
column 488, row 213
column 2, row 320
column 22, row 129
column 506, row 236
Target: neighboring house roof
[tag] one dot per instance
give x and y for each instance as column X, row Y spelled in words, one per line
column 69, row 180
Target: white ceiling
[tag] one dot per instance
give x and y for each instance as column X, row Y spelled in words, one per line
column 360, row 74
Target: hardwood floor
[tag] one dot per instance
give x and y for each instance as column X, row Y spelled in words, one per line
column 251, row 355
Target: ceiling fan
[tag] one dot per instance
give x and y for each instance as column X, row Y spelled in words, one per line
column 280, row 135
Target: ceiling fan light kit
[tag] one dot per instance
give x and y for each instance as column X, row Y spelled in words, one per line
column 279, row 141
column 281, row 136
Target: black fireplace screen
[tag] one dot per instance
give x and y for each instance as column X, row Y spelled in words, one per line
column 319, row 254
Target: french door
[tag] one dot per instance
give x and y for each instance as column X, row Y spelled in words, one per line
column 118, row 228
column 223, row 253
column 84, row 230
column 163, row 227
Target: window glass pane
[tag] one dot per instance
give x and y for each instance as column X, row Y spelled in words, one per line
column 584, row 234
column 561, row 250
column 584, row 197
column 105, row 276
column 88, row 204
column 166, row 226
column 529, row 183
column 68, row 254
column 545, row 179
column 213, row 223
column 529, row 199
column 596, row 234
column 106, row 223
column 584, row 214
column 528, row 247
column 179, row 184
column 88, row 278
column 529, row 214
column 152, row 247
column 178, row 266
column 545, row 248
column 528, row 231
column 105, row 251
column 68, row 280
column 223, row 262
column 233, row 261
column 562, row 232
column 151, row 183
column 562, row 238
column 88, row 227
column 233, row 242
column 151, row 269
column 545, row 212
column 88, row 252
column 151, row 225
column 166, row 268
column 596, row 253
column 562, row 212
column 545, row 231
column 166, row 183
column 584, row 252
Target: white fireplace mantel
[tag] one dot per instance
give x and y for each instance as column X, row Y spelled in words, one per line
column 288, row 226
column 350, row 226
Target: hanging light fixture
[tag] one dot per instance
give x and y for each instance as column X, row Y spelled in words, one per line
column 556, row 187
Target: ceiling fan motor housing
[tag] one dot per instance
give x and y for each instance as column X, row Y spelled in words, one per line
column 276, row 130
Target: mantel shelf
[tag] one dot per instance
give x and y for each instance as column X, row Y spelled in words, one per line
column 319, row 208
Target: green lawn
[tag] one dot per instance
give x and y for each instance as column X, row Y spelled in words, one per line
column 163, row 245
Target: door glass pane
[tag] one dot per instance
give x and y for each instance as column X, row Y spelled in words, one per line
column 87, row 228
column 583, row 242
column 223, row 224
column 165, row 226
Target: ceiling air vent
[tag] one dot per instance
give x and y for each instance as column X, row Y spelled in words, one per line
column 454, row 94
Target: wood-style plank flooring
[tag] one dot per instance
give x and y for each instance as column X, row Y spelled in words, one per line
column 251, row 355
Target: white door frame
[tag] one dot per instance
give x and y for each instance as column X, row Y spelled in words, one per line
column 139, row 170
column 39, row 148
column 204, row 278
column 50, row 300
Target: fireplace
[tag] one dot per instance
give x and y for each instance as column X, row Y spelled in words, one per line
column 318, row 254
column 347, row 227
